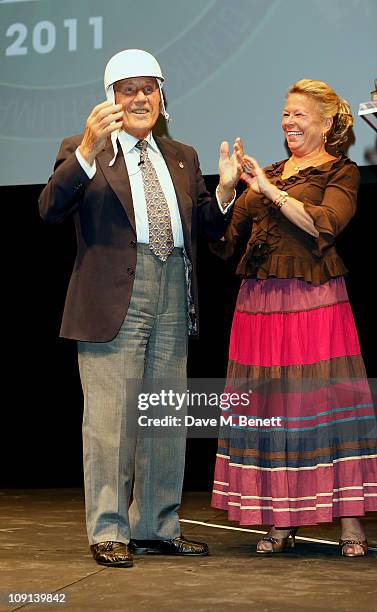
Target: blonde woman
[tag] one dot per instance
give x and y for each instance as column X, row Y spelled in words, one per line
column 294, row 340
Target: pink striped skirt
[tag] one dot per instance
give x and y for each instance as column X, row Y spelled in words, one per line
column 303, row 448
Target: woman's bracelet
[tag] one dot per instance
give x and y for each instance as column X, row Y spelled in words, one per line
column 281, row 199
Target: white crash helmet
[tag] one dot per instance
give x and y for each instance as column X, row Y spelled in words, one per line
column 127, row 64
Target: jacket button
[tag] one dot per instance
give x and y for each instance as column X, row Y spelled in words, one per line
column 130, row 271
column 133, row 244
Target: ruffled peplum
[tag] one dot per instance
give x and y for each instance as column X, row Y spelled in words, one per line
column 276, row 247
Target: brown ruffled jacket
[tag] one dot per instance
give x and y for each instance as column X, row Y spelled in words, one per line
column 276, row 247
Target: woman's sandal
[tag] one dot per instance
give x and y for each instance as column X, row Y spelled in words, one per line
column 278, row 545
column 362, row 543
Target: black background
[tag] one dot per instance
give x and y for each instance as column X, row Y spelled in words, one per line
column 41, row 395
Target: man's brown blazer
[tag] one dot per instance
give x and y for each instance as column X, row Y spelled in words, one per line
column 101, row 284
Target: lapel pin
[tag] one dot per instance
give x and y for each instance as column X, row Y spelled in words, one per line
column 181, row 164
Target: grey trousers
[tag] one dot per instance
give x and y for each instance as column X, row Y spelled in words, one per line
column 118, row 458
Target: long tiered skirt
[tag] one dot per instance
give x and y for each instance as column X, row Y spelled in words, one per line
column 305, row 449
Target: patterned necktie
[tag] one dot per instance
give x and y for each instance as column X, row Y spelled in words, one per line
column 161, row 241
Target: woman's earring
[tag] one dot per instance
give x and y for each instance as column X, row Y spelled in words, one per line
column 324, row 137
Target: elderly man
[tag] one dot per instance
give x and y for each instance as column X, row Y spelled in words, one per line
column 138, row 203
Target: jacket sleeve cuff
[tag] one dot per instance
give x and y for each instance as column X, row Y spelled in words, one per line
column 225, row 209
column 90, row 170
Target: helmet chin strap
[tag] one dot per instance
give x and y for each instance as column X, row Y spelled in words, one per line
column 163, row 110
column 110, row 96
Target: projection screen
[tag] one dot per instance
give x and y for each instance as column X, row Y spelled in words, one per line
column 227, row 63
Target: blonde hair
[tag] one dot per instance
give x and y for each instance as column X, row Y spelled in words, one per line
column 330, row 105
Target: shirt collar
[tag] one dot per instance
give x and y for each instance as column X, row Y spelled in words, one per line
column 128, row 141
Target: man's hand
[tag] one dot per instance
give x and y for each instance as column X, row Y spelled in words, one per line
column 104, row 119
column 230, row 169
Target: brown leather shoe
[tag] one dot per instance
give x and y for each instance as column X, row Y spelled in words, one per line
column 179, row 546
column 112, row 554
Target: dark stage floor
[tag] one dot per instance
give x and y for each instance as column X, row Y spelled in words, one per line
column 44, row 550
